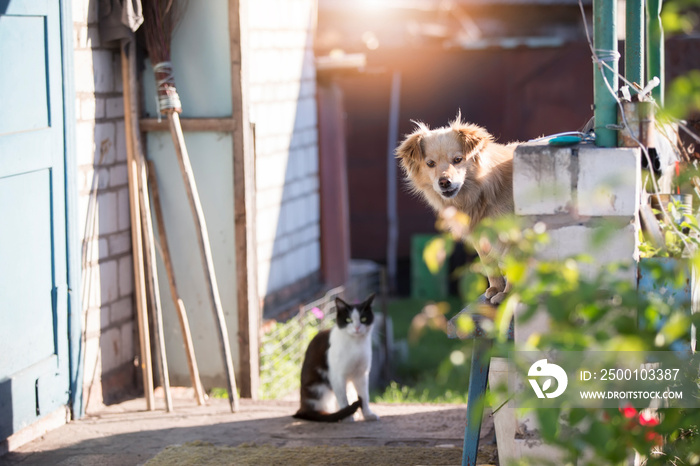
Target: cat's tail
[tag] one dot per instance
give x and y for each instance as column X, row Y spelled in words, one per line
column 320, row 416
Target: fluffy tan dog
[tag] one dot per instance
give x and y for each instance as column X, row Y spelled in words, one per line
column 461, row 166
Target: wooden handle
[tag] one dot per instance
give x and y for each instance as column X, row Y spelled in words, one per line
column 205, row 250
column 128, row 80
column 179, row 305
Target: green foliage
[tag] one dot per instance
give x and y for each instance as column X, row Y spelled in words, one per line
column 599, row 309
column 435, row 369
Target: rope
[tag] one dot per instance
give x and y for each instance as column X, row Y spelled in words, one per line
column 602, row 62
column 168, row 97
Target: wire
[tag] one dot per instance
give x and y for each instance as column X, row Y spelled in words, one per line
column 601, row 62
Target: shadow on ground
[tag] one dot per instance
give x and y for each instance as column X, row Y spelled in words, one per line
column 126, row 434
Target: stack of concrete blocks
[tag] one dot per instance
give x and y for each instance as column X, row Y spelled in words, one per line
column 283, row 109
column 107, row 272
column 572, row 190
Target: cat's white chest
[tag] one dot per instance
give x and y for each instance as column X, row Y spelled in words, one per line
column 349, row 356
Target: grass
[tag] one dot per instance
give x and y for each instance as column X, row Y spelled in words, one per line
column 436, row 369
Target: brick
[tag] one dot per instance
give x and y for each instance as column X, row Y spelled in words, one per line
column 104, row 146
column 608, row 181
column 126, row 276
column 107, row 204
column 120, row 144
column 93, row 370
column 542, row 179
column 110, row 349
column 114, row 107
column 122, row 209
column 121, row 310
column 104, row 71
column 118, row 176
column 126, row 350
column 120, row 243
column 109, row 285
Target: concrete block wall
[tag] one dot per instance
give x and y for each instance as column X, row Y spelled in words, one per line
column 283, row 109
column 107, row 270
column 572, row 190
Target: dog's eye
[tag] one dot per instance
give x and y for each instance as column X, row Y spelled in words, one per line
column 430, row 163
column 457, row 159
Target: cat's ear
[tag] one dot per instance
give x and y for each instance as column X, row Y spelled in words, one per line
column 341, row 305
column 368, row 301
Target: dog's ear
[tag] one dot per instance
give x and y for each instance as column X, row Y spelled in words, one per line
column 410, row 151
column 474, row 138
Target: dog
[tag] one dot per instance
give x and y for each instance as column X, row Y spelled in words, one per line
column 461, row 166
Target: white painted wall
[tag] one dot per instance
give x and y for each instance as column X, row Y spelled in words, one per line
column 283, row 108
column 107, row 272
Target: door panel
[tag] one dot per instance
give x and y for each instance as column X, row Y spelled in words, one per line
column 34, row 376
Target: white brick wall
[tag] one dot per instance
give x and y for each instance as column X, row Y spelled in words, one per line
column 107, row 283
column 283, row 108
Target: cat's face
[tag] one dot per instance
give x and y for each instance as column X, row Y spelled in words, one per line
column 355, row 319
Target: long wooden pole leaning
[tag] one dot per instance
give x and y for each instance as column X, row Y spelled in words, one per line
column 152, row 281
column 136, row 237
column 205, row 250
column 179, row 305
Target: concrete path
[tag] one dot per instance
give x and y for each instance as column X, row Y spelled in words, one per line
column 127, row 434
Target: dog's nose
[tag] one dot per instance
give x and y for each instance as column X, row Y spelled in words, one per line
column 444, row 182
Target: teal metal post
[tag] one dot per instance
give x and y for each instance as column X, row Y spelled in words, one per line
column 634, row 42
column 605, row 45
column 655, row 42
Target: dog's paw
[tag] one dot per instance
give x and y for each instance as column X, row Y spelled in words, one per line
column 370, row 416
column 497, row 298
column 492, row 291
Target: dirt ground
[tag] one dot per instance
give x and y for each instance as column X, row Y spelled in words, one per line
column 127, row 434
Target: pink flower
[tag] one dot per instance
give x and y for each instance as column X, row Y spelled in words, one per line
column 317, row 312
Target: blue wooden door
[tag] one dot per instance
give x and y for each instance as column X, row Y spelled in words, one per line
column 34, row 365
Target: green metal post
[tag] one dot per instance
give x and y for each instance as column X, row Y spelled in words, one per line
column 655, row 43
column 605, row 45
column 634, row 42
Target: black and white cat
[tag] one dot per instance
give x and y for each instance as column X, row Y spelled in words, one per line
column 334, row 358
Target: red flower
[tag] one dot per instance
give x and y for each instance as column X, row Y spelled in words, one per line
column 628, row 411
column 646, row 419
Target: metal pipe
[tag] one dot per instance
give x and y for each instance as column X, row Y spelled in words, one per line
column 605, row 45
column 655, row 42
column 392, row 190
column 634, row 42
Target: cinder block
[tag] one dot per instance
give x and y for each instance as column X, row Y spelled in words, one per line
column 120, row 243
column 120, row 144
column 542, row 179
column 118, row 176
column 121, row 310
column 126, row 350
column 109, row 287
column 114, row 107
column 123, row 209
column 608, row 181
column 126, row 276
column 619, row 248
column 107, row 204
column 110, row 349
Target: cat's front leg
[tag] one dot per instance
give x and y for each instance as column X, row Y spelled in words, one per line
column 362, row 387
column 340, row 389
